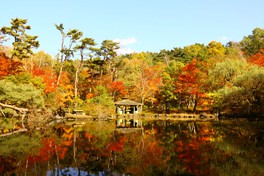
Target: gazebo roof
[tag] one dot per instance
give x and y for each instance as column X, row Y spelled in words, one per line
column 127, row 102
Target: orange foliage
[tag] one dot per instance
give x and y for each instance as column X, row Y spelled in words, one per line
column 89, row 95
column 154, row 155
column 192, row 152
column 118, row 146
column 88, row 136
column 8, row 66
column 48, row 78
column 188, row 80
column 258, row 58
column 117, row 88
column 66, row 93
column 191, row 83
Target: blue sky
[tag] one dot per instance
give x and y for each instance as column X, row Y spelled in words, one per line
column 139, row 25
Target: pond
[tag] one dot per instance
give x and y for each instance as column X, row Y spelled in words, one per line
column 158, row 148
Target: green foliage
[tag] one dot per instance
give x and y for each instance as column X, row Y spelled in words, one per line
column 23, row 43
column 8, row 112
column 216, row 49
column 167, row 95
column 245, row 96
column 152, row 78
column 197, row 50
column 251, row 44
column 102, row 96
column 19, row 144
column 73, row 36
column 252, row 85
column 8, row 124
column 224, row 72
column 23, row 94
column 101, row 104
column 108, row 49
column 26, row 78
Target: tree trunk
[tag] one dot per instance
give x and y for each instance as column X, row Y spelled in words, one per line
column 21, row 110
column 13, row 132
column 14, row 107
column 195, row 105
column 77, row 77
column 60, row 72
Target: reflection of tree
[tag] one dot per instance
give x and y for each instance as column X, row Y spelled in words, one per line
column 13, row 152
column 187, row 145
column 165, row 148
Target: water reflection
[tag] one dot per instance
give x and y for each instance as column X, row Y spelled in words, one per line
column 157, row 148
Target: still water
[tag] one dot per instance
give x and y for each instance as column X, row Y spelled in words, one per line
column 158, row 148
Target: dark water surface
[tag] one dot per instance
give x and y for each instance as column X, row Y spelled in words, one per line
column 160, row 148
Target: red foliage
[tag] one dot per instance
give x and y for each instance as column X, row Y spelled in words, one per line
column 188, row 79
column 8, row 66
column 118, row 146
column 258, row 58
column 46, row 152
column 48, row 78
column 88, row 136
column 89, row 95
column 191, row 84
column 154, row 153
column 192, row 152
column 117, row 88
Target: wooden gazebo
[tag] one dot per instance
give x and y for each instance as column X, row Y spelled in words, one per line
column 127, row 106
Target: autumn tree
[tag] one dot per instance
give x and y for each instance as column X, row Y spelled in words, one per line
column 166, row 96
column 216, row 49
column 23, row 42
column 64, row 93
column 189, row 85
column 251, row 91
column 258, row 58
column 8, row 66
column 117, row 90
column 141, row 77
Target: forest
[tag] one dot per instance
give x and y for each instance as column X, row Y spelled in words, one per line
column 214, row 78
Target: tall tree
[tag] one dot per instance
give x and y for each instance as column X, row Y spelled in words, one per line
column 23, row 42
column 86, row 44
column 108, row 52
column 189, row 84
column 166, row 95
column 67, row 49
column 141, row 77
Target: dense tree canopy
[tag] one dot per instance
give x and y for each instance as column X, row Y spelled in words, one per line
column 198, row 77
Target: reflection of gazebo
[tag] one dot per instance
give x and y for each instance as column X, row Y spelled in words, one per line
column 127, row 106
